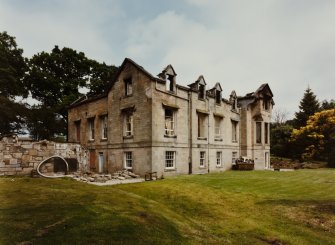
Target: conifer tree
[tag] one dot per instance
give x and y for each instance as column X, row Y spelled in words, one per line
column 308, row 106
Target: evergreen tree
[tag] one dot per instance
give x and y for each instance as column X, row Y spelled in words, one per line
column 308, row 106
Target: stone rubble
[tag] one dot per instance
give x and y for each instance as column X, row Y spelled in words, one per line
column 90, row 177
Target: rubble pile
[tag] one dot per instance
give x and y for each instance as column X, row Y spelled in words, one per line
column 102, row 178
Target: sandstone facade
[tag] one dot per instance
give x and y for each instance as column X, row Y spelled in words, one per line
column 20, row 157
column 146, row 123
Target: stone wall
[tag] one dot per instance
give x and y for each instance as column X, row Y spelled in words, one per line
column 20, row 157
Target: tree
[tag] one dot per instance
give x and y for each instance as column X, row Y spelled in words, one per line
column 279, row 116
column 327, row 105
column 308, row 106
column 318, row 137
column 12, row 70
column 54, row 79
column 280, row 139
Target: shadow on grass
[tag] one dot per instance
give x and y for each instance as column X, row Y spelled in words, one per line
column 73, row 223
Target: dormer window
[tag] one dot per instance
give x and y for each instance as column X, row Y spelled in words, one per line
column 128, row 84
column 266, row 104
column 169, row 83
column 218, row 97
column 201, row 91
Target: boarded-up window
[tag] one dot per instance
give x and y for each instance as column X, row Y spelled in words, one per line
column 202, row 125
column 234, row 130
column 217, row 122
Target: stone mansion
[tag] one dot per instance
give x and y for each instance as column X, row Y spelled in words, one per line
column 149, row 123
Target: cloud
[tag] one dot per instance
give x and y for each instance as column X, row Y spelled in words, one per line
column 241, row 44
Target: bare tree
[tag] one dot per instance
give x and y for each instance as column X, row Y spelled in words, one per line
column 280, row 115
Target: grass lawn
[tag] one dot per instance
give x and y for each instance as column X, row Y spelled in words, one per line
column 257, row 207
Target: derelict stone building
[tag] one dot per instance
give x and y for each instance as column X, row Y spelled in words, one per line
column 150, row 123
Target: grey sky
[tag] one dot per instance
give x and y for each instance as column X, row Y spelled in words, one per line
column 239, row 43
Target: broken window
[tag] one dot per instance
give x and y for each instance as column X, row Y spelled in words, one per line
column 169, row 122
column 218, row 158
column 267, row 130
column 91, row 128
column 104, row 126
column 128, row 123
column 169, row 83
column 201, row 94
column 77, row 125
column 128, row 160
column 258, row 132
column 170, row 158
column 202, row 158
column 218, row 97
column 128, row 86
column 234, row 157
column 217, row 124
column 266, row 104
column 202, row 125
column 234, row 130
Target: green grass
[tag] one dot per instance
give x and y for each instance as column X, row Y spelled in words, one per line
column 257, row 207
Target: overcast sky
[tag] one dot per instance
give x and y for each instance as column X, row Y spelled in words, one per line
column 289, row 44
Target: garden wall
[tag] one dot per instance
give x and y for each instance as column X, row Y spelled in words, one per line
column 20, row 156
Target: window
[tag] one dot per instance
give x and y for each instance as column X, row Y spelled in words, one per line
column 170, row 159
column 169, row 83
column 217, row 124
column 128, row 124
column 267, row 130
column 234, row 130
column 202, row 159
column 201, row 91
column 258, row 132
column 234, row 157
column 201, row 125
column 266, row 104
column 104, row 126
column 218, row 97
column 169, row 122
column 218, row 158
column 77, row 125
column 128, row 86
column 128, row 160
column 91, row 128
column 234, row 106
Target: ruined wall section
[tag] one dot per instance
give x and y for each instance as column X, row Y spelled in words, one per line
column 20, row 157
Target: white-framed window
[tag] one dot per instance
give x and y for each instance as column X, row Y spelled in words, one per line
column 170, row 159
column 259, row 132
column 219, row 158
column 266, row 132
column 169, row 122
column 128, row 83
column 217, row 128
column 202, row 159
column 234, row 157
column 104, row 126
column 128, row 160
column 128, row 124
column 234, row 130
column 91, row 128
column 202, row 125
